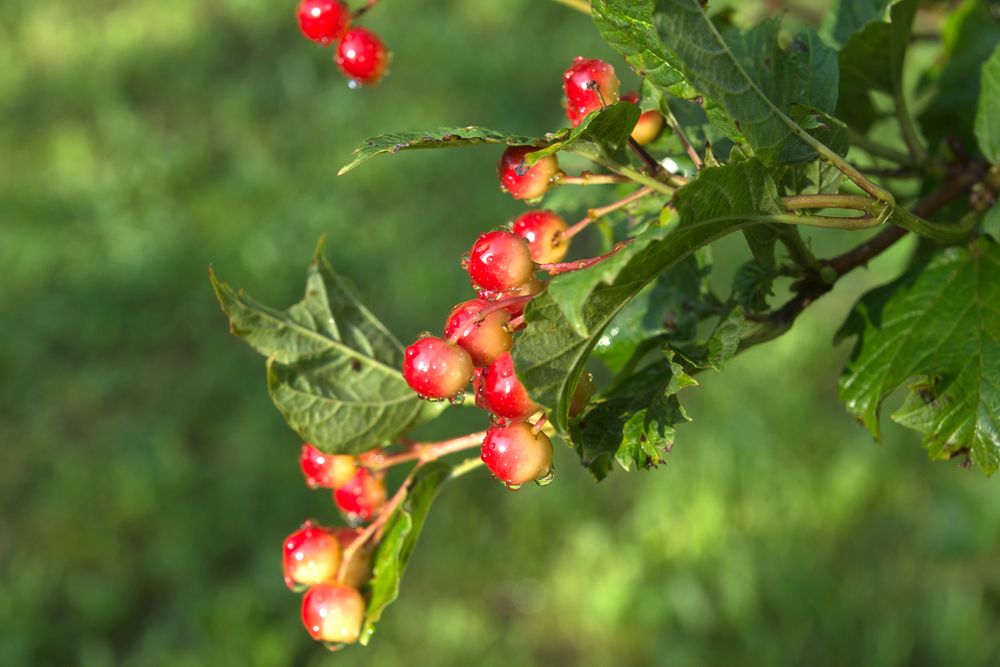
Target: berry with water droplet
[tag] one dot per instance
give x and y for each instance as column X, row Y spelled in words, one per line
column 483, row 338
column 362, row 56
column 542, row 230
column 361, row 497
column 517, row 453
column 310, row 555
column 503, row 393
column 326, row 470
column 323, row 21
column 436, row 368
column 358, row 569
column 523, row 182
column 333, row 613
column 500, row 260
column 530, row 288
column 649, row 125
column 589, row 84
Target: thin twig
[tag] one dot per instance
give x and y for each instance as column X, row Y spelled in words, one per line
column 586, row 178
column 652, row 166
column 679, row 131
column 598, row 213
column 576, row 265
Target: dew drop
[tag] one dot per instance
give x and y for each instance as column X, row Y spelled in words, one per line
column 465, row 261
column 547, row 478
column 353, row 84
column 422, row 397
column 457, row 399
column 512, row 487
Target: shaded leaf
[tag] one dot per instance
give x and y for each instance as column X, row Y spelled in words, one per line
column 937, row 328
column 852, row 15
column 988, row 110
column 752, row 284
column 602, row 133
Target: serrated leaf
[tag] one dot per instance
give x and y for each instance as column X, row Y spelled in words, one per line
column 752, row 77
column 937, row 328
column 634, row 425
column 988, row 111
column 442, row 137
column 399, row 540
column 724, row 342
column 752, row 284
column 333, row 367
column 852, row 15
column 551, row 353
column 601, row 133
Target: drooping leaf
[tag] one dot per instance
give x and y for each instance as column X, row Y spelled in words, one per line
column 757, row 81
column 633, row 425
column 442, row 137
column 872, row 59
column 938, row 329
column 333, row 368
column 988, row 110
column 399, row 539
column 724, row 342
column 551, row 353
column 851, row 16
column 752, row 284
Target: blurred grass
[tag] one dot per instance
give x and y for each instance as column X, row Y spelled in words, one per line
column 146, row 482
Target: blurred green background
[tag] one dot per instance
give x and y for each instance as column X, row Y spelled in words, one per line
column 146, row 482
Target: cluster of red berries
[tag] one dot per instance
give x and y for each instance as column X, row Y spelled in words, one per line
column 590, row 84
column 313, row 556
column 361, row 55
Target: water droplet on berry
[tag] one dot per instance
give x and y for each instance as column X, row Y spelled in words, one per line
column 512, row 487
column 353, row 84
column 457, row 399
column 547, row 478
column 465, row 261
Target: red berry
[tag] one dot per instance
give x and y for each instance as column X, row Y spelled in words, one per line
column 530, row 288
column 323, row 21
column 435, row 368
column 477, row 388
column 517, row 454
column 589, row 84
column 327, row 470
column 361, row 497
column 521, row 182
column 542, row 229
column 362, row 56
column 503, row 393
column 358, row 569
column 333, row 613
column 649, row 125
column 500, row 260
column 482, row 338
column 310, row 555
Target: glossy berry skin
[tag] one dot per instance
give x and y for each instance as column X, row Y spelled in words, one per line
column 326, row 470
column 515, row 454
column 526, row 183
column 503, row 393
column 435, row 368
column 484, row 338
column 649, row 125
column 500, row 260
column 477, row 388
column 361, row 497
column 362, row 56
column 542, row 229
column 310, row 556
column 530, row 288
column 358, row 569
column 589, row 84
column 323, row 21
column 333, row 613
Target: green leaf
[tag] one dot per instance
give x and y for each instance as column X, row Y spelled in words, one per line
column 752, row 284
column 851, row 16
column 724, row 342
column 399, row 540
column 634, row 425
column 938, row 328
column 988, row 110
column 991, row 222
column 753, row 78
column 872, row 59
column 333, row 368
column 601, row 133
column 441, row 137
column 551, row 353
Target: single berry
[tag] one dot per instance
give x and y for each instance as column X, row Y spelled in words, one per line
column 483, row 338
column 503, row 393
column 362, row 56
column 530, row 288
column 361, row 497
column 542, row 230
column 500, row 260
column 649, row 125
column 333, row 613
column 517, row 453
column 435, row 368
column 323, row 21
column 523, row 182
column 358, row 569
column 589, row 84
column 326, row 470
column 310, row 555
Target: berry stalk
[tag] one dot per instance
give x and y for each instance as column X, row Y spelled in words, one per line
column 576, row 265
column 598, row 213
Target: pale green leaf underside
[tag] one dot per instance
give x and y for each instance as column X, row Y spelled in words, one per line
column 937, row 329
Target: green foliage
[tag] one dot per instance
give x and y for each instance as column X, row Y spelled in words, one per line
column 852, row 15
column 332, row 367
column 988, row 111
column 601, row 135
column 937, row 326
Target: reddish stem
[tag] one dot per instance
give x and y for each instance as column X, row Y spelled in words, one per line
column 576, row 265
column 597, row 213
column 587, row 178
column 430, row 451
